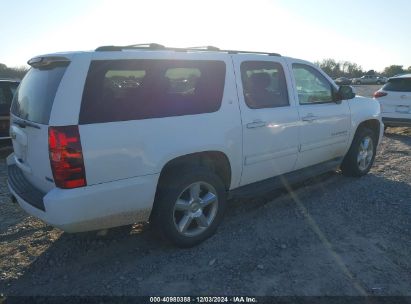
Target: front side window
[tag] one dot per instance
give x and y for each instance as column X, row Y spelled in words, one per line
column 120, row 90
column 312, row 87
column 264, row 84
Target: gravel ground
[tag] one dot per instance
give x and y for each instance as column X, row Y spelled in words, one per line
column 331, row 235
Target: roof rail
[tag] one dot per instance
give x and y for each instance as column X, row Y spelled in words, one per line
column 150, row 46
column 250, row 52
column 156, row 46
column 206, row 47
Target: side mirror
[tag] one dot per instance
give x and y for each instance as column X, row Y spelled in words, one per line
column 344, row 92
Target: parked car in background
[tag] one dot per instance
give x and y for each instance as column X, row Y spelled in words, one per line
column 383, row 79
column 342, row 81
column 395, row 100
column 92, row 154
column 368, row 79
column 7, row 90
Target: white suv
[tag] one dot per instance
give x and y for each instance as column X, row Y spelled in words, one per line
column 395, row 100
column 126, row 134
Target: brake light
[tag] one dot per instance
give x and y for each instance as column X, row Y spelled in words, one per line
column 379, row 94
column 66, row 157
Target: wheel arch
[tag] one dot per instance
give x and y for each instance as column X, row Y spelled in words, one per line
column 372, row 124
column 217, row 161
column 350, row 165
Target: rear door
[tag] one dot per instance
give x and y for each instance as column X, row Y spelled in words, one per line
column 30, row 114
column 397, row 102
column 269, row 117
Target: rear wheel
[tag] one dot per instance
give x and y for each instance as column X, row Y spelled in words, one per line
column 361, row 154
column 189, row 207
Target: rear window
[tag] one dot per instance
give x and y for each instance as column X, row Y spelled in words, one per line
column 398, row 85
column 120, row 90
column 34, row 97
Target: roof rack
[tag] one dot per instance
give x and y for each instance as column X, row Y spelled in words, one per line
column 111, row 48
column 156, row 46
column 206, row 48
column 250, row 52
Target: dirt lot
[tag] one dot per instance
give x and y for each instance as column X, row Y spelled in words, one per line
column 331, row 235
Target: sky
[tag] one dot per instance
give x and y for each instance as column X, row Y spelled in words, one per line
column 371, row 33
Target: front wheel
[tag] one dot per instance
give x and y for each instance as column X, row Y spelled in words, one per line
column 190, row 206
column 361, row 154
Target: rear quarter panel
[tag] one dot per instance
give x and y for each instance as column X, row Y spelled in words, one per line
column 67, row 102
column 120, row 150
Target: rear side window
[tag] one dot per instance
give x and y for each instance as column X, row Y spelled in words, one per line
column 34, row 97
column 398, row 85
column 264, row 84
column 120, row 90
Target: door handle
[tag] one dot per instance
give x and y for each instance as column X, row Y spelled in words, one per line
column 310, row 118
column 256, row 124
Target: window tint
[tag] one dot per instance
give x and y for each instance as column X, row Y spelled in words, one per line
column 398, row 85
column 3, row 96
column 312, row 87
column 264, row 84
column 119, row 90
column 35, row 96
column 13, row 88
column 7, row 90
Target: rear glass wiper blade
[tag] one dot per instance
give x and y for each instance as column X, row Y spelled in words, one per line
column 24, row 123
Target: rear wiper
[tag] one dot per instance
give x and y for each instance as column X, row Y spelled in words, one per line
column 25, row 123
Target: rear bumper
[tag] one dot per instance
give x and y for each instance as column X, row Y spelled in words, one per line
column 88, row 208
column 396, row 122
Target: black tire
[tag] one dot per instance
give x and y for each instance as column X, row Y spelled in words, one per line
column 378, row 82
column 350, row 165
column 172, row 187
column 358, row 82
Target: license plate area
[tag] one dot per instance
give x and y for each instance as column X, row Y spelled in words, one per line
column 19, row 138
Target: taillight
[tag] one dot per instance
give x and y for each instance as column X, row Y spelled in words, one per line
column 66, row 157
column 379, row 94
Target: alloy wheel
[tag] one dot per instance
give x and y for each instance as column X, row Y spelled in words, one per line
column 195, row 209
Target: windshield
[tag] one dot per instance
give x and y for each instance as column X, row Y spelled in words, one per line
column 34, row 97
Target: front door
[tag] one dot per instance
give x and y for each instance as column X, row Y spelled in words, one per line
column 325, row 124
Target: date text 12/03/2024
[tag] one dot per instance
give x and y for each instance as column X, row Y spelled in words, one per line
column 204, row 299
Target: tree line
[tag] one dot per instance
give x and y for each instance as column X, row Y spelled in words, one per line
column 12, row 73
column 349, row 69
